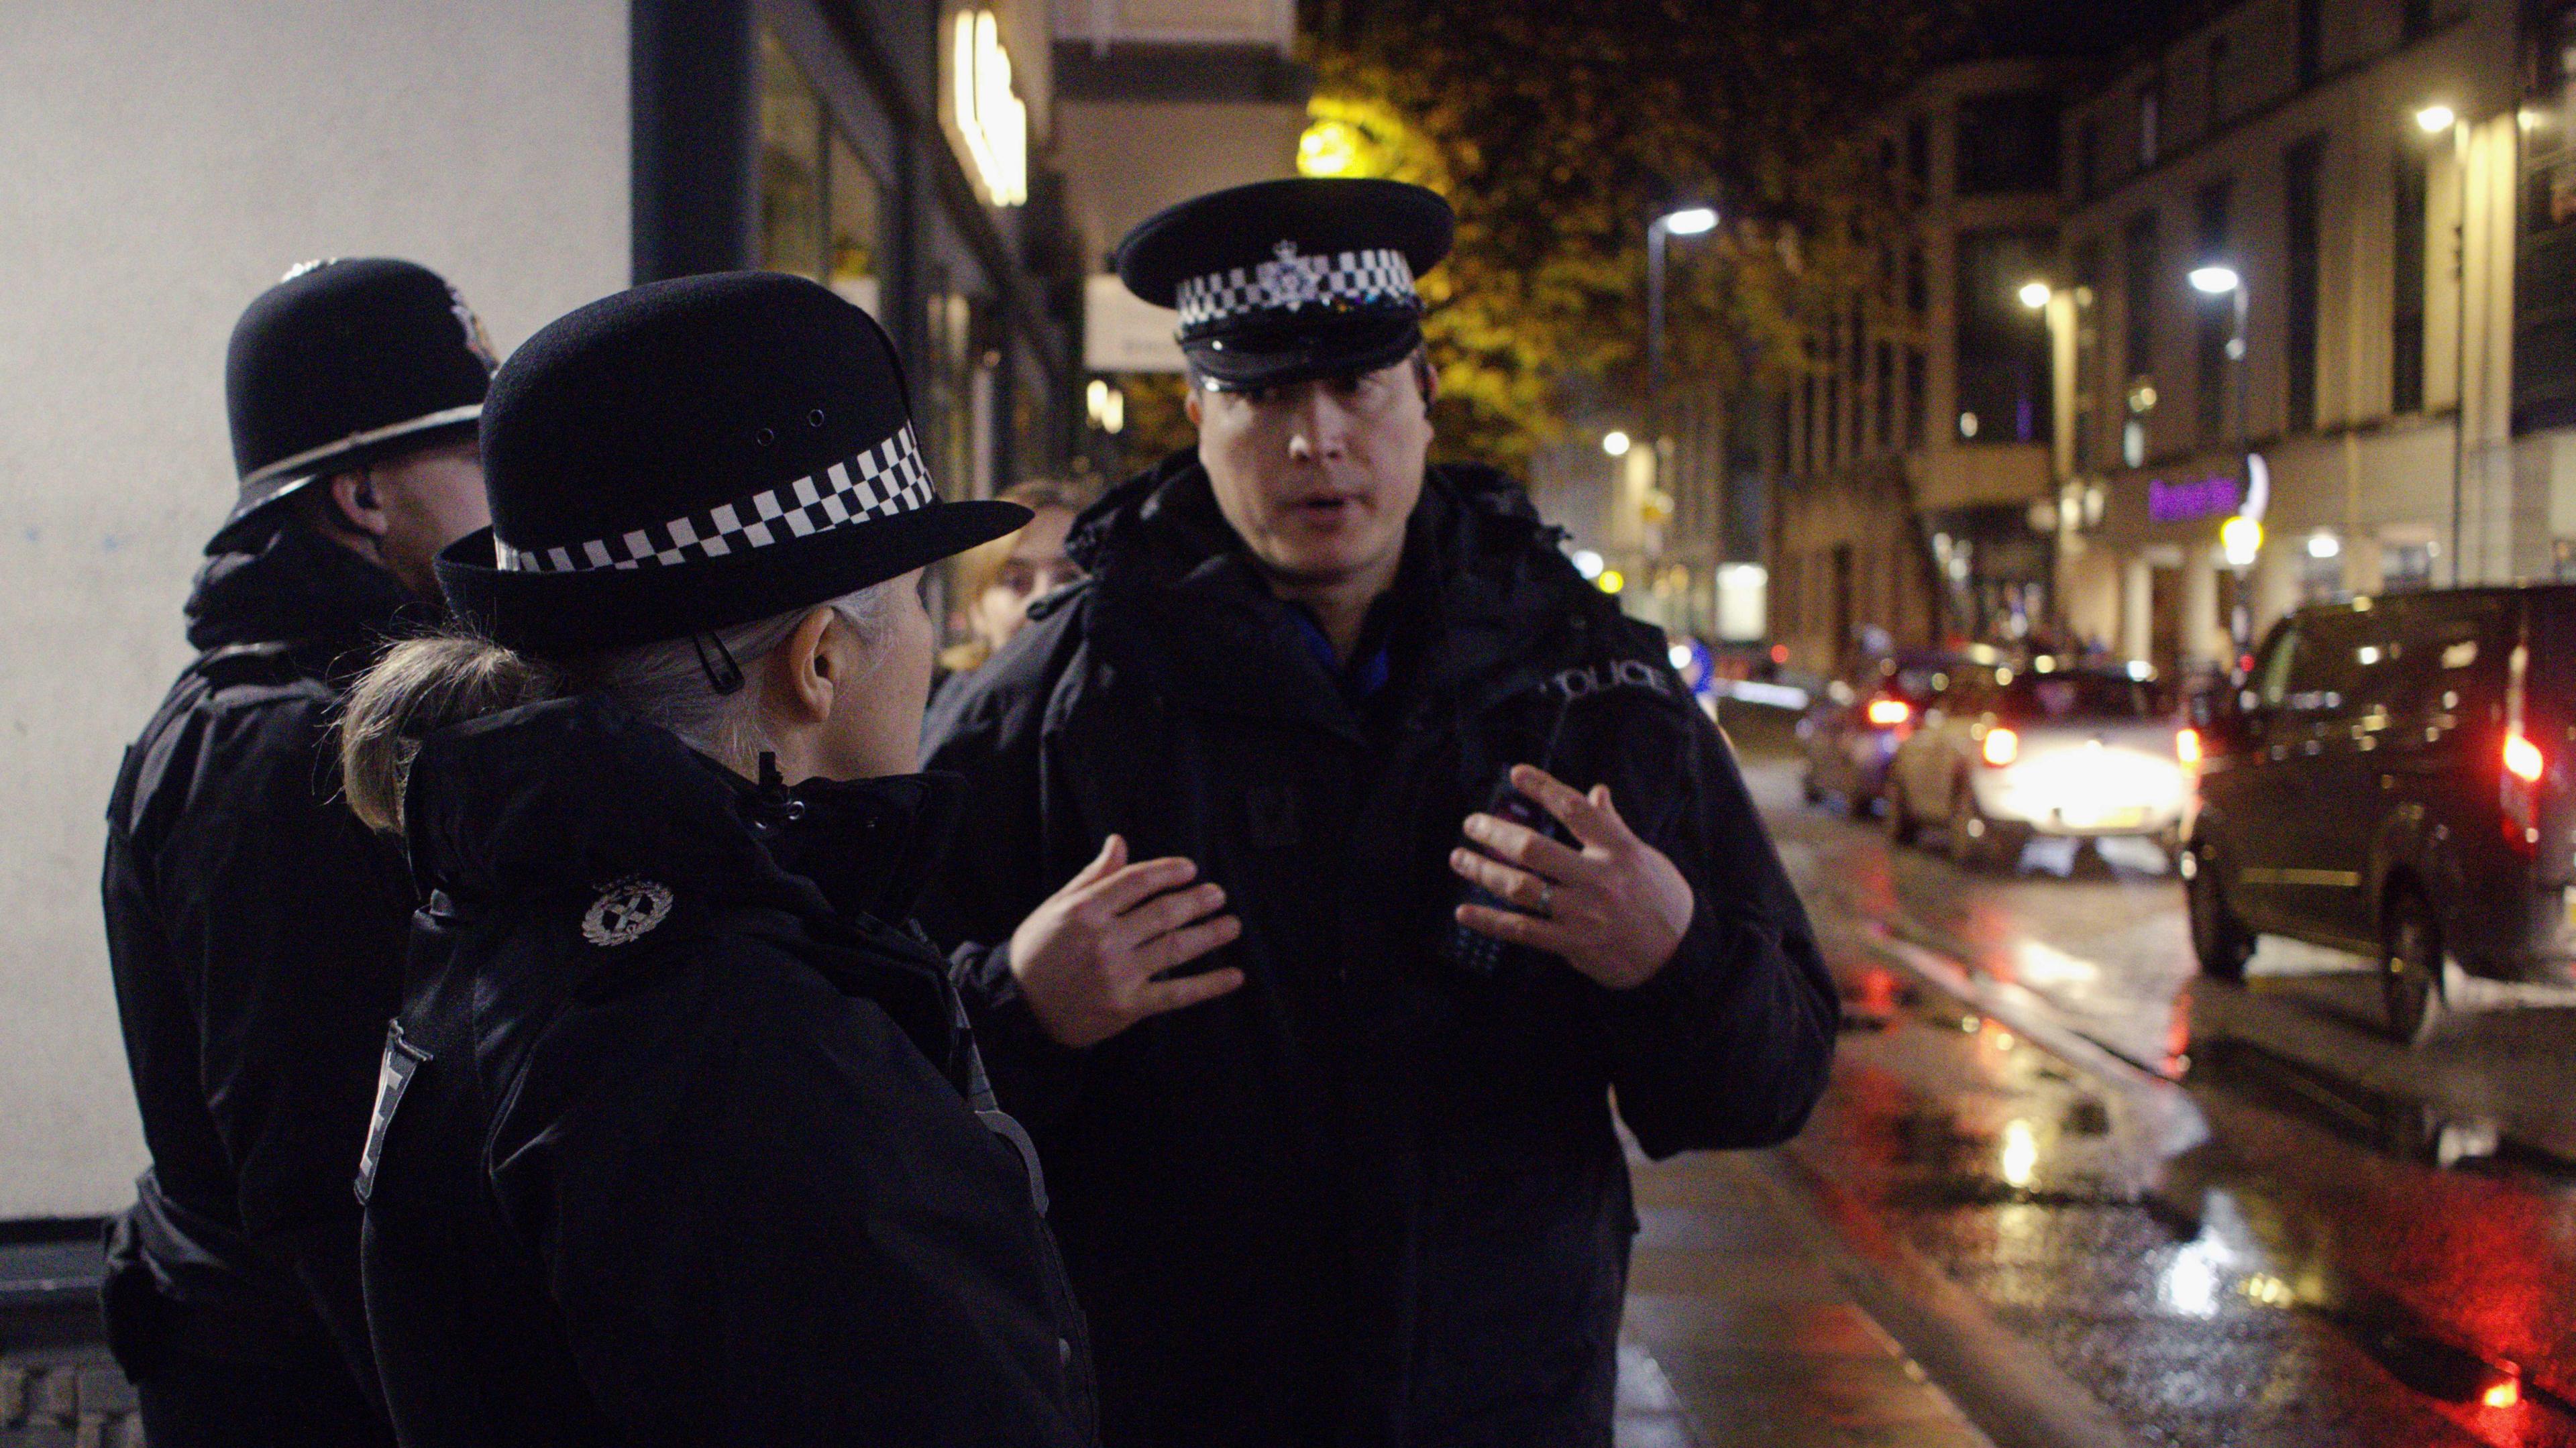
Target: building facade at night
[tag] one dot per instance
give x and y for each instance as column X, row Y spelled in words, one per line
column 2297, row 147
column 1918, row 442
column 2386, row 187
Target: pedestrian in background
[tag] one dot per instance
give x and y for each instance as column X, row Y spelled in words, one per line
column 681, row 1135
column 254, row 927
column 995, row 582
column 1374, row 1195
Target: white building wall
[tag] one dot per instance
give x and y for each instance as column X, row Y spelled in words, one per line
column 161, row 161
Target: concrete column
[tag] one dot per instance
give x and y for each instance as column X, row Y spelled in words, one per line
column 2275, row 582
column 695, row 205
column 2204, row 633
column 2137, row 603
column 2361, row 563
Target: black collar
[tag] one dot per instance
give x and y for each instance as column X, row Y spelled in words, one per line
column 292, row 586
column 570, row 795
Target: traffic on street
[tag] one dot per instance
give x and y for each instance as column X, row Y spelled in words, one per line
column 2224, row 1211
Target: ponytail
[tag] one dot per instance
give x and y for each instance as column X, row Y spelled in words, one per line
column 418, row 687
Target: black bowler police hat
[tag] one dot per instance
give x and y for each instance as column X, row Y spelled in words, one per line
column 1281, row 281
column 696, row 454
column 344, row 363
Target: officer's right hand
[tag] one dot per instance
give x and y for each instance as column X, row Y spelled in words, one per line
column 1087, row 959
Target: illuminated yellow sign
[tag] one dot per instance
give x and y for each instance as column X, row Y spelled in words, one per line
column 1329, row 148
column 2241, row 539
column 990, row 118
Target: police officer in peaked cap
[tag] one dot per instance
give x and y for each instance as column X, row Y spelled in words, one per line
column 255, row 928
column 1492, row 865
column 681, row 1135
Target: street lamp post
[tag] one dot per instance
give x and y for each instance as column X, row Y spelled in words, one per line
column 2056, row 311
column 1688, row 221
column 2433, row 120
column 2215, row 280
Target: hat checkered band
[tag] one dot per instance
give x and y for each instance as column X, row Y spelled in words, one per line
column 881, row 482
column 1289, row 281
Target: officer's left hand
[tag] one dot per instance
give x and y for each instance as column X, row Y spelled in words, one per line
column 1615, row 911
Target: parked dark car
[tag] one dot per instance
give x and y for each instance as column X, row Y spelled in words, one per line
column 2392, row 777
column 1851, row 730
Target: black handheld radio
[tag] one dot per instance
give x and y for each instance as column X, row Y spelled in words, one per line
column 1480, row 955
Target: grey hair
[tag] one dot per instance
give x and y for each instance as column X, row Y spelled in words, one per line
column 666, row 682
column 422, row 685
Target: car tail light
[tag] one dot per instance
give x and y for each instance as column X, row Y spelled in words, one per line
column 2187, row 747
column 2518, row 786
column 2522, row 759
column 2002, row 746
column 1888, row 713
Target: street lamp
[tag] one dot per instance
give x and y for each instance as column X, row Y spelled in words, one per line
column 2241, row 536
column 1615, row 443
column 2433, row 120
column 1689, row 221
column 2056, row 312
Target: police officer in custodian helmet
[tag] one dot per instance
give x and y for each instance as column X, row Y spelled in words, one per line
column 254, row 927
column 1491, row 861
column 681, row 1136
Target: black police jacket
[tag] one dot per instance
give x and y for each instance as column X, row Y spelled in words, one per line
column 255, row 930
column 1370, row 1197
column 679, row 1141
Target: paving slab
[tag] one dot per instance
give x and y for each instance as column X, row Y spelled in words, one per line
column 1740, row 1332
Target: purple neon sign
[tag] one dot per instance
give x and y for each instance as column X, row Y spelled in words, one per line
column 2183, row 502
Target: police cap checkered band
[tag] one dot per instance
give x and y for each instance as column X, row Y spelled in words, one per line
column 879, row 482
column 1289, row 283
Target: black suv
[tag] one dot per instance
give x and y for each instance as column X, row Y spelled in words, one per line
column 2393, row 777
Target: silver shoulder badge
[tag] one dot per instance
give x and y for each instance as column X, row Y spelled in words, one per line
column 626, row 910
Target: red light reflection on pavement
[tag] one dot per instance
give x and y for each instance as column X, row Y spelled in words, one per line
column 2178, row 1035
column 1874, row 993
column 2488, row 1260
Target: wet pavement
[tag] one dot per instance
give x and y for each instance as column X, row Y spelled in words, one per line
column 1743, row 1329
column 2224, row 1214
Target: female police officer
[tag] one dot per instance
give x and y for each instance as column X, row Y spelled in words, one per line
column 677, row 1137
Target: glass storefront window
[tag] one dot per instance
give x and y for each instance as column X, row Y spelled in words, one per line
column 853, row 210
column 792, row 180
column 818, row 202
column 947, row 402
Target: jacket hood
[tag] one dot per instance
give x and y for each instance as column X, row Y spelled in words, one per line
column 288, row 584
column 563, row 798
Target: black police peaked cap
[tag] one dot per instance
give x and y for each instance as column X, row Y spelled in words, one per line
column 695, row 454
column 344, row 363
column 1281, row 281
